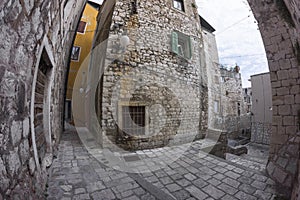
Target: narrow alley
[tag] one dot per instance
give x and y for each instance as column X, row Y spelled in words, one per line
column 76, row 174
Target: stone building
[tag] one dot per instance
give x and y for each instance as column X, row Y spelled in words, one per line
column 236, row 120
column 80, row 57
column 36, row 41
column 215, row 115
column 154, row 91
column 226, row 107
column 261, row 122
column 247, row 92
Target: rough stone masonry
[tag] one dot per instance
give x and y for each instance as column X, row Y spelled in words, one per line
column 36, row 37
column 169, row 85
column 280, row 26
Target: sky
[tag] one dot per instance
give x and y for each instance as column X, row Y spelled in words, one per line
column 237, row 35
column 97, row 1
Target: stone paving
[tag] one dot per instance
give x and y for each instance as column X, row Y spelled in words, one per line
column 256, row 158
column 76, row 174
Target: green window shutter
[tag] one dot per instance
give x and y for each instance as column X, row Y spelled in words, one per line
column 190, row 48
column 175, row 42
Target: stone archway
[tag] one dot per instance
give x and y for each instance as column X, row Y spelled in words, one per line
column 280, row 28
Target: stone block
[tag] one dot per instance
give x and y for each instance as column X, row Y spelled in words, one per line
column 16, row 132
column 294, row 73
column 31, row 165
column 279, row 175
column 282, row 91
column 24, row 151
column 26, row 129
column 274, row 129
column 288, row 120
column 276, row 84
column 284, row 110
column 270, row 168
column 275, row 110
column 282, row 162
column 281, row 130
column 289, row 99
column 285, row 64
column 4, row 181
column 279, row 138
column 295, row 89
column 291, row 130
column 283, row 74
column 288, row 82
column 292, row 166
column 13, row 162
column 297, row 98
column 278, row 100
column 296, row 110
column 277, row 120
column 29, row 5
column 196, row 192
column 288, row 181
column 273, row 76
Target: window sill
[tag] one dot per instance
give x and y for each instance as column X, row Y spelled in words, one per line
column 179, row 11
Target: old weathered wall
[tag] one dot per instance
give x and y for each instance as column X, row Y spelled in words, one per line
column 279, row 26
column 215, row 117
column 36, row 37
column 261, row 123
column 149, row 74
column 236, row 120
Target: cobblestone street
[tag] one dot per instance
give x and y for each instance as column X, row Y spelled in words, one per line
column 76, row 174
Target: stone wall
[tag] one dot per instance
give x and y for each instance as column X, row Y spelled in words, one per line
column 236, row 120
column 36, row 37
column 279, row 24
column 173, row 89
column 215, row 117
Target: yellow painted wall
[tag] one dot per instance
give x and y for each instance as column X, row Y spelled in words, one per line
column 83, row 40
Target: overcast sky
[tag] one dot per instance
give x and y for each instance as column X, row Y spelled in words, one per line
column 238, row 38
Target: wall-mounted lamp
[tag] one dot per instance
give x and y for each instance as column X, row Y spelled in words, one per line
column 124, row 41
column 121, row 45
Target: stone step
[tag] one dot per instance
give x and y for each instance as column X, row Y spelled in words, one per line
column 254, row 159
column 246, row 161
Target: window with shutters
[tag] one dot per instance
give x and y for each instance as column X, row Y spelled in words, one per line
column 178, row 4
column 181, row 44
column 81, row 27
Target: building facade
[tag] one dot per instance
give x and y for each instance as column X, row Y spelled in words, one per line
column 236, row 120
column 247, row 92
column 261, row 108
column 215, row 115
column 80, row 57
column 153, row 90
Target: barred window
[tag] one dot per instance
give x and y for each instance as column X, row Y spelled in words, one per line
column 133, row 118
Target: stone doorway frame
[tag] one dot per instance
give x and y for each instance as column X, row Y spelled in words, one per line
column 45, row 48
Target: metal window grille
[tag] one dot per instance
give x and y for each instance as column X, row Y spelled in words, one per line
column 134, row 120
